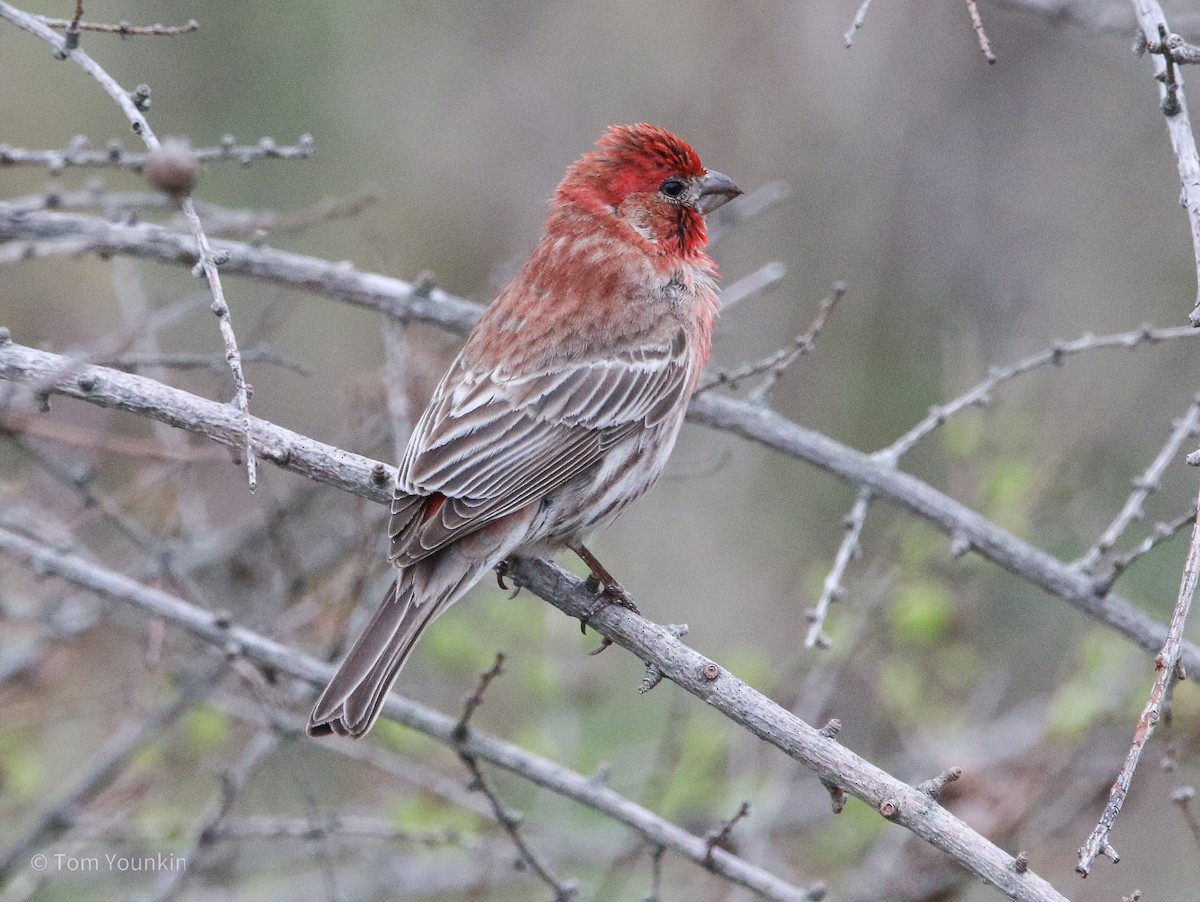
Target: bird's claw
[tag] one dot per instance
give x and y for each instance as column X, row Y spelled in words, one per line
column 502, row 569
column 611, row 593
column 605, row 642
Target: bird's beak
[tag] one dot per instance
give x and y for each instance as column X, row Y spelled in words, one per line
column 715, row 190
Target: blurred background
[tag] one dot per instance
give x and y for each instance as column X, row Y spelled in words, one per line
column 976, row 213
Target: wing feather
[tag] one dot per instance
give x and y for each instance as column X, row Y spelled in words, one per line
column 488, row 445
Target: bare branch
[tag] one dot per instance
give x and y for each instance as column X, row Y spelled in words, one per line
column 832, row 589
column 343, row 282
column 114, row 156
column 109, row 763
column 1143, row 486
column 124, row 29
column 860, row 19
column 1167, row 667
column 776, row 363
column 951, row 517
column 230, row 638
column 762, row 279
column 1161, row 533
column 720, row 836
column 977, row 23
column 132, row 107
column 1183, row 798
column 171, row 881
column 1153, row 24
column 476, row 697
column 981, row 394
column 510, row 822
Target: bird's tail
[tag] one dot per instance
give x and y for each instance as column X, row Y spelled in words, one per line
column 351, row 702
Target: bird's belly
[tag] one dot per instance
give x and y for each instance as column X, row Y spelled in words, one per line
column 593, row 499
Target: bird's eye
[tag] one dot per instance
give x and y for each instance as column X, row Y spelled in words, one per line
column 672, row 187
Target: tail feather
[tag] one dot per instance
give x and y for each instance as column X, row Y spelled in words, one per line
column 352, row 701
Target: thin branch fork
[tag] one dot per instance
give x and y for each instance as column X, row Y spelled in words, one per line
column 130, row 106
column 1168, row 668
column 720, row 836
column 1143, row 486
column 509, row 821
column 1153, row 24
column 774, row 365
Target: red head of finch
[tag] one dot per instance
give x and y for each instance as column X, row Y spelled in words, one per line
column 563, row 405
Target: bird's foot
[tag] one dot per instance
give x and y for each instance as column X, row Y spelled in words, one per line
column 502, row 569
column 604, row 584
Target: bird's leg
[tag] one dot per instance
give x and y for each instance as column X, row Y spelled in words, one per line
column 607, row 582
column 612, row 592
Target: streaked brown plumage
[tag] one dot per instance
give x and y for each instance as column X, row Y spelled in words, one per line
column 563, row 405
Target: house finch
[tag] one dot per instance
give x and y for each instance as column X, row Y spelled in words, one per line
column 563, row 405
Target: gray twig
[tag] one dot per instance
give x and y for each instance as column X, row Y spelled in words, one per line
column 774, row 364
column 233, row 781
column 977, row 23
column 832, row 589
column 115, row 156
column 1166, row 665
column 860, row 19
column 124, row 29
column 1143, row 486
column 1153, row 24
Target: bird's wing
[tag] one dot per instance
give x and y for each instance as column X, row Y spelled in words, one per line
column 487, row 445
